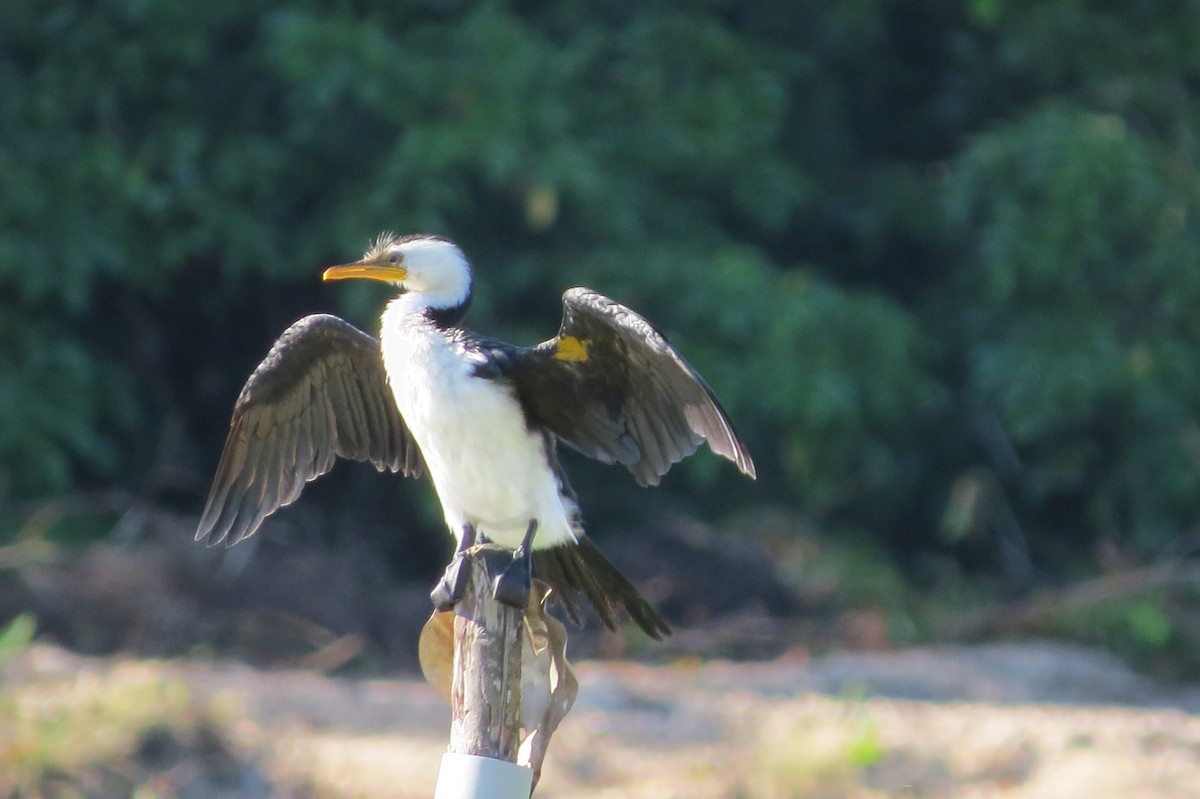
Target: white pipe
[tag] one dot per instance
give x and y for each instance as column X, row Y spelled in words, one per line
column 474, row 777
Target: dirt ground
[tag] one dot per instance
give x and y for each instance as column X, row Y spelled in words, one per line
column 1012, row 720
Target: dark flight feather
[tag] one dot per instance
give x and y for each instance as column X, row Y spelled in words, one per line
column 633, row 400
column 321, row 393
column 570, row 568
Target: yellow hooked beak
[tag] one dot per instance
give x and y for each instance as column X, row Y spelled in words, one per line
column 383, row 270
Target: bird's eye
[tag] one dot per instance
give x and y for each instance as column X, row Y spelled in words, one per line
column 393, row 258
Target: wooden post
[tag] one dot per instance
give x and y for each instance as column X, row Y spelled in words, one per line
column 486, row 691
column 485, row 727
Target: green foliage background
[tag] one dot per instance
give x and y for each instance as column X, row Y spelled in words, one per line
column 908, row 243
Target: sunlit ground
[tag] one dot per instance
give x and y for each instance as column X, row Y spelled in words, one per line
column 99, row 728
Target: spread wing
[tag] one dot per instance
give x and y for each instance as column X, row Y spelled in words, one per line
column 612, row 387
column 320, row 394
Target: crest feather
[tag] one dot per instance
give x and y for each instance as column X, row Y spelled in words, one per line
column 383, row 242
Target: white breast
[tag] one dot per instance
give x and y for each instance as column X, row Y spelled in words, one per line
column 487, row 467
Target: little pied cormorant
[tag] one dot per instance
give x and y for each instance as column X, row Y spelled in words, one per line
column 482, row 417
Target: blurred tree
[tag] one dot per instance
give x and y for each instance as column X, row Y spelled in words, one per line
column 867, row 224
column 1080, row 273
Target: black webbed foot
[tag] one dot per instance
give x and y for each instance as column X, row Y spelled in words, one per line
column 452, row 587
column 512, row 586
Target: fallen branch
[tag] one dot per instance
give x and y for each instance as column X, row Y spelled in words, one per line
column 1035, row 611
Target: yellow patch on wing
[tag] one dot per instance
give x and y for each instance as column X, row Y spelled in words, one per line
column 573, row 349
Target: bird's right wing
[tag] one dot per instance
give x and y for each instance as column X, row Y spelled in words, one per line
column 612, row 387
column 321, row 393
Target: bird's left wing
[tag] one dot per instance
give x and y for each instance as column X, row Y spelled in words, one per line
column 612, row 387
column 321, row 393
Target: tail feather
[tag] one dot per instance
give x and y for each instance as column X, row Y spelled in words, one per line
column 570, row 568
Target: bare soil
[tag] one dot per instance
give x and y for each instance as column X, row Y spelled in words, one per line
column 1010, row 720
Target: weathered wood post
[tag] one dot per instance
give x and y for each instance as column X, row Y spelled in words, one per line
column 485, row 727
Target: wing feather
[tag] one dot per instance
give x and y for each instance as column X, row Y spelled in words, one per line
column 632, row 400
column 320, row 394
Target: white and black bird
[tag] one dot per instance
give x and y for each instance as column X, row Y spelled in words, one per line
column 483, row 418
